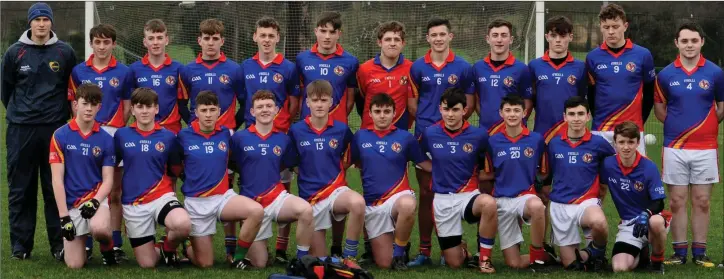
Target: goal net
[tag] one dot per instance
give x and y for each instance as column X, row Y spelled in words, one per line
column 469, row 25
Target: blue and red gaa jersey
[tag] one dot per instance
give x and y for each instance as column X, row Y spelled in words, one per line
column 165, row 81
column 373, row 79
column 632, row 188
column 224, row 78
column 553, row 85
column 619, row 79
column 515, row 162
column 116, row 83
column 382, row 157
column 690, row 98
column 430, row 81
column 575, row 166
column 84, row 157
column 259, row 159
column 205, row 159
column 321, row 154
column 339, row 68
column 280, row 77
column 456, row 157
column 146, row 156
column 493, row 83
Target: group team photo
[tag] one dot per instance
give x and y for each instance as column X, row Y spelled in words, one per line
column 143, row 163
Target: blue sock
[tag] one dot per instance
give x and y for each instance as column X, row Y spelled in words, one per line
column 89, row 242
column 398, row 251
column 230, row 244
column 117, row 239
column 596, row 251
column 350, row 248
column 681, row 248
column 302, row 251
column 698, row 248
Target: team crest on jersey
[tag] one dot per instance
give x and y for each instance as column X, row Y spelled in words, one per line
column 587, row 158
column 528, row 152
column 339, row 70
column 170, row 80
column 96, row 151
column 224, row 79
column 277, row 150
column 397, row 147
column 222, row 146
column 704, row 84
column 54, row 66
column 278, row 78
column 333, row 143
column 638, row 186
column 572, row 80
column 160, row 147
column 114, row 82
column 508, row 81
column 468, row 148
column 452, row 79
column 404, row 80
column 631, row 66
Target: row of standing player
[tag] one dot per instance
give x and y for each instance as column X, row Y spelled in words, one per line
column 439, row 41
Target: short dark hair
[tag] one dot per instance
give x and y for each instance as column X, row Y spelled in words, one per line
column 627, row 129
column 612, row 12
column 512, row 100
column 453, row 96
column 332, row 17
column 575, row 101
column 268, row 22
column 499, row 22
column 90, row 92
column 211, row 26
column 144, row 96
column 382, row 100
column 691, row 26
column 103, row 30
column 155, row 26
column 319, row 88
column 391, row 26
column 560, row 25
column 437, row 21
column 208, row 98
column 262, row 94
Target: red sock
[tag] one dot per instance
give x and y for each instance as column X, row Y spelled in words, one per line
column 167, row 245
column 485, row 253
column 243, row 244
column 537, row 254
column 425, row 247
column 106, row 245
column 657, row 258
column 282, row 243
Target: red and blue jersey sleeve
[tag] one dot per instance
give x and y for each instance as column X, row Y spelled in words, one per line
column 323, row 153
column 690, row 97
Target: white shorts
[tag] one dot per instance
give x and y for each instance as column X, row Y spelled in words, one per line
column 625, row 232
column 449, row 210
column 608, row 135
column 82, row 225
column 566, row 219
column 378, row 219
column 141, row 219
column 684, row 167
column 286, row 176
column 112, row 131
column 205, row 211
column 322, row 210
column 510, row 210
column 271, row 212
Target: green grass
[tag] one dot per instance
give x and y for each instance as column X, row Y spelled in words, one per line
column 42, row 265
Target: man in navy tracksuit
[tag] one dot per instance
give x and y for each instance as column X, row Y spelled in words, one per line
column 35, row 74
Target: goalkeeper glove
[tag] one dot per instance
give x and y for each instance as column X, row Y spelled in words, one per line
column 89, row 208
column 641, row 225
column 67, row 229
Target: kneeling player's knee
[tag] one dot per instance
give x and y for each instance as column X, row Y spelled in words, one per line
column 485, row 202
column 101, row 233
column 383, row 262
column 536, row 207
column 657, row 224
column 74, row 263
column 147, row 262
column 407, row 205
column 357, row 204
column 307, row 214
column 620, row 265
column 255, row 211
column 600, row 226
